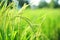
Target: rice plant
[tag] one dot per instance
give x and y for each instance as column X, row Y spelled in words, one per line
column 28, row 25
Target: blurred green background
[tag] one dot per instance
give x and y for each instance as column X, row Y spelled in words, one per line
column 29, row 19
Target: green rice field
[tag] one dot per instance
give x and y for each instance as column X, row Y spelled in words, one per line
column 29, row 24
